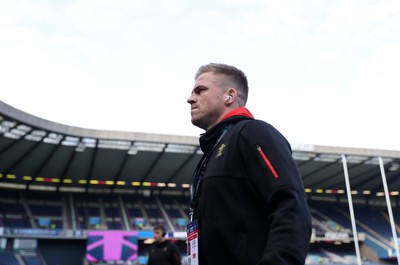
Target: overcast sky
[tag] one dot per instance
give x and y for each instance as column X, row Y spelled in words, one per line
column 322, row 72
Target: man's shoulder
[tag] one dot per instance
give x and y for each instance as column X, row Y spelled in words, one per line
column 165, row 243
column 259, row 130
column 170, row 244
column 254, row 124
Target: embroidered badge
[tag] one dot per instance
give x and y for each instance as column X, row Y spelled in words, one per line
column 220, row 151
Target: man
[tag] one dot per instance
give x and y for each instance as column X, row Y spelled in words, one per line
column 163, row 252
column 248, row 199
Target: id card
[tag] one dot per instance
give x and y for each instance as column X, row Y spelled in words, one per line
column 192, row 244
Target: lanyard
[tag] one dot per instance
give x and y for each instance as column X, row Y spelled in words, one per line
column 197, row 175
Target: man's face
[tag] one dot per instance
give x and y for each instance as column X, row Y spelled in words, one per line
column 206, row 101
column 158, row 235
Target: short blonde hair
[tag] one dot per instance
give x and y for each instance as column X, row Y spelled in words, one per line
column 235, row 75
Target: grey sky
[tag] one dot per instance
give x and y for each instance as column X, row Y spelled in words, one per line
column 322, row 72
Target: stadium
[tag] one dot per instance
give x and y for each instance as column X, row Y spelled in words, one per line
column 72, row 195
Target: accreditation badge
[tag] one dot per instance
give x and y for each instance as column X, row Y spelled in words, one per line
column 192, row 244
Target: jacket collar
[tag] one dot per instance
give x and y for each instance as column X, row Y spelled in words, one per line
column 209, row 138
column 242, row 111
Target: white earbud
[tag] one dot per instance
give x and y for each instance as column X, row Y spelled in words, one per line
column 228, row 98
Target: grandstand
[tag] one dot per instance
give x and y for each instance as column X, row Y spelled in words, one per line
column 60, row 186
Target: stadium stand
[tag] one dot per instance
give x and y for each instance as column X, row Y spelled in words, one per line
column 327, row 217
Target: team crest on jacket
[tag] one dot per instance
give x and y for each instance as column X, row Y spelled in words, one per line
column 221, row 150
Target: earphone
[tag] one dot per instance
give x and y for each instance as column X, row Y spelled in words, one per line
column 163, row 230
column 228, row 98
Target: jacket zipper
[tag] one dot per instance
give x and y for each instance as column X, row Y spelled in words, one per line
column 267, row 162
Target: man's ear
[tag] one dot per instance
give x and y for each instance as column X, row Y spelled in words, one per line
column 231, row 94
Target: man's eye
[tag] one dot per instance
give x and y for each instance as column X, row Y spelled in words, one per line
column 198, row 90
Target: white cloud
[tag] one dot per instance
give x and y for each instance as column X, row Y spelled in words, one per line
column 315, row 68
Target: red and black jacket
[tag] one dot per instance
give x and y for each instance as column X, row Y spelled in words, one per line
column 251, row 206
column 164, row 253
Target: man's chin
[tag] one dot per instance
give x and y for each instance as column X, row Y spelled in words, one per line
column 197, row 123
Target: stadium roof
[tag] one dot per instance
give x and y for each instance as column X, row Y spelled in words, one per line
column 40, row 154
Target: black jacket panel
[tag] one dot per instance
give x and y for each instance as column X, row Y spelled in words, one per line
column 252, row 208
column 164, row 253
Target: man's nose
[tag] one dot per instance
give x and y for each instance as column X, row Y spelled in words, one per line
column 190, row 100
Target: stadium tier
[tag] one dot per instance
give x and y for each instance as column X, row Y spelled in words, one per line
column 332, row 235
